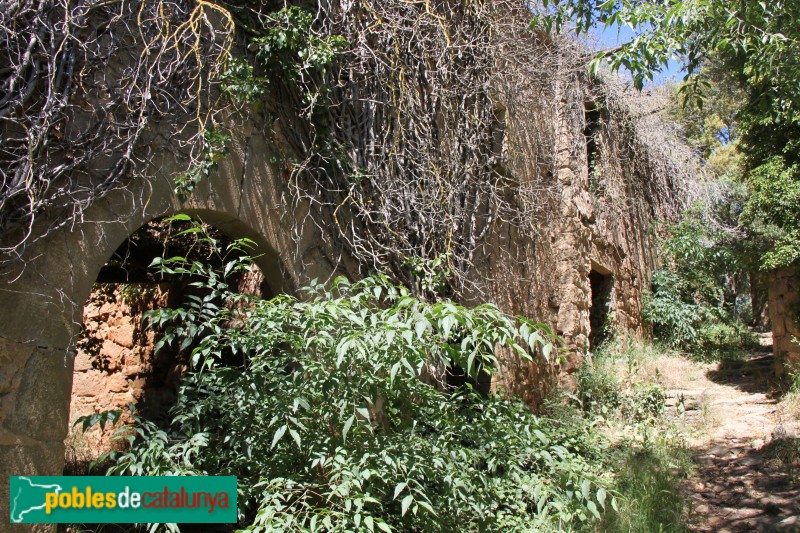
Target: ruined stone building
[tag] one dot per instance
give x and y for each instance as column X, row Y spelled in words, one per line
column 457, row 134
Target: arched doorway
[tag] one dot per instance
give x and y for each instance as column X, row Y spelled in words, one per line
column 41, row 305
column 117, row 363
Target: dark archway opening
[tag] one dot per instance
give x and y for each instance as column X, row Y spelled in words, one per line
column 116, row 363
column 456, row 377
column 602, row 288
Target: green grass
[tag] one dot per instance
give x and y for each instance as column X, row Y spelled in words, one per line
column 649, row 493
column 620, row 392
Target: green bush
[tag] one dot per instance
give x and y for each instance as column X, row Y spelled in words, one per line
column 697, row 328
column 600, row 391
column 674, row 319
column 696, row 302
column 645, row 452
column 332, row 413
column 595, row 388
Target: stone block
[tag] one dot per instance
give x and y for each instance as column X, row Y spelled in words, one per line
column 13, row 356
column 116, row 383
column 83, row 362
column 41, row 408
column 122, row 334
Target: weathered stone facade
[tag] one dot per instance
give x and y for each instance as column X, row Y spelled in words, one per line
column 784, row 313
column 545, row 274
column 116, row 364
column 583, row 265
column 42, row 305
column 113, row 365
column 585, row 268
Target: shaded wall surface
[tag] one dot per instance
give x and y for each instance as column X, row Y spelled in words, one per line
column 596, row 216
column 113, row 365
column 541, row 270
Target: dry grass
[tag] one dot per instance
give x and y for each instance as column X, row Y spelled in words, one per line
column 78, row 453
column 789, row 407
column 638, row 362
column 710, row 417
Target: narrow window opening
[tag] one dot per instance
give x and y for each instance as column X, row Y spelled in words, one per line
column 456, row 377
column 602, row 288
column 498, row 132
column 593, row 120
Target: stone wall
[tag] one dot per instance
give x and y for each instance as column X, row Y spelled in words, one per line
column 784, row 313
column 114, row 365
column 597, row 220
column 540, row 268
column 42, row 303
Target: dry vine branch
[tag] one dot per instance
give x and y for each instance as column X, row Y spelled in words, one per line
column 82, row 87
column 429, row 125
column 440, row 122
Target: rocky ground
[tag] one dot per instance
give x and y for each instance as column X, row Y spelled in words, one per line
column 745, row 440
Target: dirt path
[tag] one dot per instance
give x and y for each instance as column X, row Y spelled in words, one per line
column 738, row 433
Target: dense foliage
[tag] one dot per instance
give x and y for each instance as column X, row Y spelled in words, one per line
column 759, row 38
column 336, row 414
column 621, row 391
column 700, row 299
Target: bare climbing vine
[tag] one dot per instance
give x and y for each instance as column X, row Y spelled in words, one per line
column 439, row 122
column 410, row 130
column 83, row 86
column 399, row 145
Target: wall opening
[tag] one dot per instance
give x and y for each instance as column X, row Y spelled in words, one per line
column 456, row 377
column 601, row 283
column 593, row 119
column 498, row 131
column 116, row 363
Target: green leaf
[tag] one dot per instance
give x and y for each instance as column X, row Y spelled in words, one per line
column 601, row 497
column 278, row 435
column 347, row 426
column 393, row 372
column 296, row 436
column 421, row 327
column 586, row 486
column 405, row 503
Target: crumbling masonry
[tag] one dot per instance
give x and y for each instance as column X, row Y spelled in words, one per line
column 581, row 264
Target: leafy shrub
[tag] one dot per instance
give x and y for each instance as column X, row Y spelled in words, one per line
column 645, row 401
column 773, row 210
column 725, row 340
column 673, row 318
column 616, row 392
column 699, row 299
column 595, row 388
column 600, row 391
column 683, row 323
column 331, row 412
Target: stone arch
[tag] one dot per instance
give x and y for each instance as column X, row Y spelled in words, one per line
column 41, row 306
